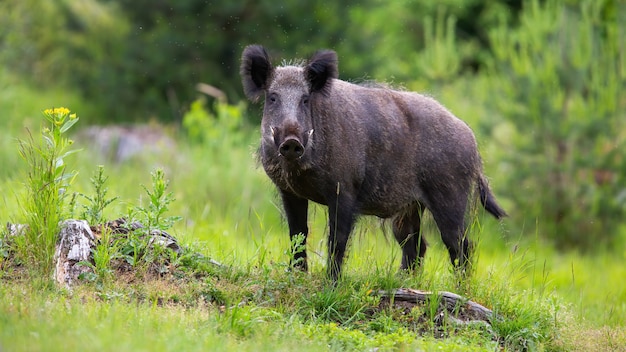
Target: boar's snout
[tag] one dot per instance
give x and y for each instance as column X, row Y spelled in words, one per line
column 291, row 148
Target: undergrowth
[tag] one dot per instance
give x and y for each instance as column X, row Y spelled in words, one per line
column 253, row 301
column 240, row 302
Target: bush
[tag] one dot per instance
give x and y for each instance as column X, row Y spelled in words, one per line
column 224, row 126
column 559, row 80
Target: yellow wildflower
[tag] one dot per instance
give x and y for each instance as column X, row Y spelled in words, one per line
column 62, row 111
column 57, row 111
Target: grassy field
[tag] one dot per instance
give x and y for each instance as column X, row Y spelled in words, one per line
column 548, row 300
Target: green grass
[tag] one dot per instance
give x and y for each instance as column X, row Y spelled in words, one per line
column 255, row 306
column 75, row 322
column 72, row 322
column 548, row 300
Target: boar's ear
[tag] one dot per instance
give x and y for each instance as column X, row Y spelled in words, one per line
column 255, row 70
column 320, row 69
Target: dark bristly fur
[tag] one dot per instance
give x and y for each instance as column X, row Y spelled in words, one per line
column 367, row 150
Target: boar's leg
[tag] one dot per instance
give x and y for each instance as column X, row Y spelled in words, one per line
column 406, row 229
column 449, row 214
column 296, row 210
column 341, row 216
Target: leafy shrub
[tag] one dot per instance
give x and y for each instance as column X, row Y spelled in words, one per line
column 213, row 128
column 560, row 80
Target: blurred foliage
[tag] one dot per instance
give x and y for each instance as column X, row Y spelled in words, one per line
column 559, row 79
column 540, row 82
column 74, row 43
column 138, row 59
column 202, row 125
column 434, row 41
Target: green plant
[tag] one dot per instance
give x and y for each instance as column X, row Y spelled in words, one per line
column 153, row 216
column 93, row 211
column 297, row 245
column 46, row 185
column 133, row 247
column 138, row 246
column 105, row 251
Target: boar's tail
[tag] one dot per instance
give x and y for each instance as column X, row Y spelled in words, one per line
column 488, row 200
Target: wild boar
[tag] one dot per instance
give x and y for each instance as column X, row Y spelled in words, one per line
column 363, row 150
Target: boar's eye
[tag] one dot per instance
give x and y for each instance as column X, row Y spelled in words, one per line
column 272, row 98
column 305, row 100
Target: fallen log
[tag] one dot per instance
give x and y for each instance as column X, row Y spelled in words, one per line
column 460, row 309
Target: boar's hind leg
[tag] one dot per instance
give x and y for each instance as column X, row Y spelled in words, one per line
column 296, row 209
column 449, row 215
column 406, row 229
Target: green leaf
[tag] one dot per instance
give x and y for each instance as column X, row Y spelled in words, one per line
column 68, row 124
column 70, row 152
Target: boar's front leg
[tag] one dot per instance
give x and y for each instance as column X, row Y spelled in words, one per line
column 296, row 210
column 341, row 214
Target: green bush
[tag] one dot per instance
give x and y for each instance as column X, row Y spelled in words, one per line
column 213, row 128
column 559, row 80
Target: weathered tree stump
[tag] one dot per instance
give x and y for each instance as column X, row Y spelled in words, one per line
column 77, row 240
column 75, row 243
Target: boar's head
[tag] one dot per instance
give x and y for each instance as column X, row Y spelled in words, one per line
column 288, row 127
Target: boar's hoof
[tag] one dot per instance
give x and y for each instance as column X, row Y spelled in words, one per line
column 291, row 149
